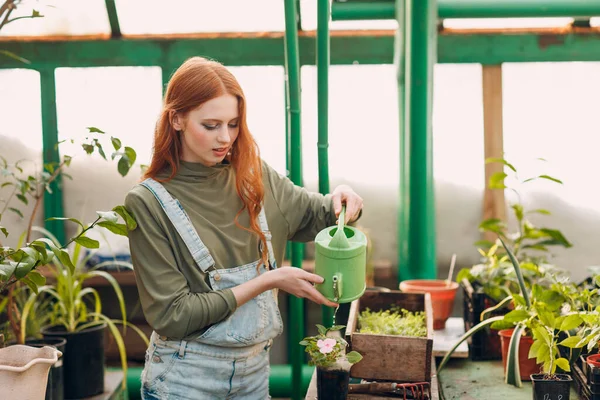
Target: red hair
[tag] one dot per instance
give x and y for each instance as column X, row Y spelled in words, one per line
column 195, row 82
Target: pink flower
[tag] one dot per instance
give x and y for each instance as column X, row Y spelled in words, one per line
column 326, row 346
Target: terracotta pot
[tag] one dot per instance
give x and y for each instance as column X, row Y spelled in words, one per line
column 593, row 360
column 24, row 371
column 527, row 366
column 442, row 297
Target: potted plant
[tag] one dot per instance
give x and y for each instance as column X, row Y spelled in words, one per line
column 63, row 303
column 486, row 284
column 539, row 306
column 327, row 351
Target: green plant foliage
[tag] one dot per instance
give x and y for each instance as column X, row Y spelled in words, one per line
column 395, row 321
column 531, row 244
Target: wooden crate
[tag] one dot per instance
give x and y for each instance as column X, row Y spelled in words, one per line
column 391, row 357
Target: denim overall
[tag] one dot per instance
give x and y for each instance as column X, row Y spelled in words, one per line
column 230, row 360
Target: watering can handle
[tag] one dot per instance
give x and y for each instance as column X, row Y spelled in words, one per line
column 342, row 218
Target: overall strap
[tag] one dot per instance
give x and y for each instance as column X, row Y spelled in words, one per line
column 182, row 224
column 264, row 227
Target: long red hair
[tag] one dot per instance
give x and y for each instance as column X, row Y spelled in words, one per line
column 195, row 82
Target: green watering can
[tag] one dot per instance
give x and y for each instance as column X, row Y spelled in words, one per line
column 341, row 259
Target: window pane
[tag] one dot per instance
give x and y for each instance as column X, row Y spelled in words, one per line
column 189, row 16
column 123, row 102
column 65, row 17
column 308, row 13
column 264, row 91
column 551, row 111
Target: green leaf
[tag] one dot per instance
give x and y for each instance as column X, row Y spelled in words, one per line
column 337, row 327
column 353, row 357
column 89, row 148
column 572, row 342
column 497, row 180
column 131, row 154
column 550, row 178
column 563, row 364
column 23, row 199
column 557, row 236
column 108, row 215
column 16, row 211
column 87, row 242
column 520, row 279
column 37, row 278
column 518, row 211
column 492, row 225
column 119, row 229
column 116, row 143
column 67, row 160
column 516, row 316
column 464, row 273
column 7, row 269
column 93, row 129
column 4, row 231
column 127, row 217
column 30, row 283
column 75, row 220
column 123, row 166
column 500, row 160
column 24, row 267
column 303, row 343
column 322, row 329
column 535, row 347
column 513, row 374
column 100, row 149
column 539, row 211
column 499, row 325
column 64, row 258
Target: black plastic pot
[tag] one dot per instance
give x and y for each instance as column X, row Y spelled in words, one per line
column 83, row 360
column 55, row 387
column 551, row 389
column 332, row 384
column 485, row 343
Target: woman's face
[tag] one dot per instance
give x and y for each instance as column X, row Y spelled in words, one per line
column 208, row 132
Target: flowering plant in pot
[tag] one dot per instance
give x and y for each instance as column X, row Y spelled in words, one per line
column 327, row 351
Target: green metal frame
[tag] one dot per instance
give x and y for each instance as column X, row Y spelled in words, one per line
column 385, row 10
column 296, row 305
column 416, row 225
column 53, row 202
column 544, row 45
column 323, row 56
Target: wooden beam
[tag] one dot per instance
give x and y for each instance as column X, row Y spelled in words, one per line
column 494, row 205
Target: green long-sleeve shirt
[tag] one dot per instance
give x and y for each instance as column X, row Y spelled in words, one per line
column 175, row 294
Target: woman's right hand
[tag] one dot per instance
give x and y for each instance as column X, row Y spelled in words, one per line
column 298, row 282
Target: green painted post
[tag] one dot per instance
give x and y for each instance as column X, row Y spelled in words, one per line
column 323, row 54
column 53, row 202
column 296, row 305
column 417, row 235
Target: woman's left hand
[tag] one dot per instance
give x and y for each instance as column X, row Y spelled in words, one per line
column 354, row 203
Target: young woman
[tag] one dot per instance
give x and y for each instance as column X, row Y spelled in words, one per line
column 213, row 220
